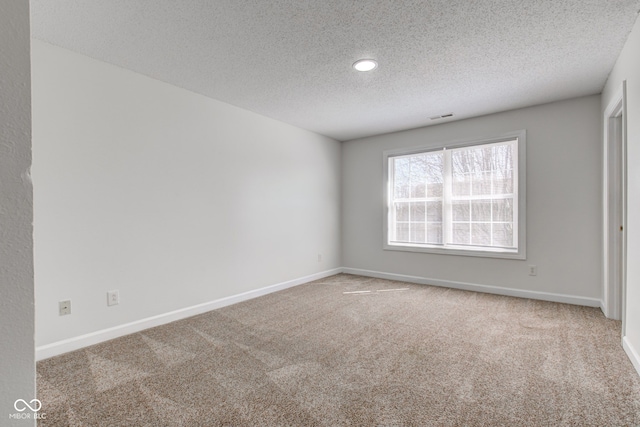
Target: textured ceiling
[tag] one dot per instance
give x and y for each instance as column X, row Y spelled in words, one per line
column 291, row 59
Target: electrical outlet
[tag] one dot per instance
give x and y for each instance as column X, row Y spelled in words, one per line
column 533, row 270
column 319, row 257
column 64, row 307
column 113, row 298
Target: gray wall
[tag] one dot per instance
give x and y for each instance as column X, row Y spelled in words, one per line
column 17, row 367
column 628, row 68
column 563, row 202
column 170, row 197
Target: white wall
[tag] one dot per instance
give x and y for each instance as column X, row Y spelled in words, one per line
column 628, row 68
column 563, row 203
column 17, row 366
column 170, row 197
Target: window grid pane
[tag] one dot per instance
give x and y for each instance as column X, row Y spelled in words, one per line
column 417, row 198
column 481, row 177
column 480, row 198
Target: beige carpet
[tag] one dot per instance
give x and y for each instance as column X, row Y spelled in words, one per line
column 350, row 350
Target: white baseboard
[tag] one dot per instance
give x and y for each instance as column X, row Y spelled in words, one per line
column 75, row 343
column 545, row 296
column 631, row 353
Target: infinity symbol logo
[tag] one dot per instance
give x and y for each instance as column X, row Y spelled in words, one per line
column 25, row 405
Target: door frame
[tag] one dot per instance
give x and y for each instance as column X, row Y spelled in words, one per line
column 614, row 207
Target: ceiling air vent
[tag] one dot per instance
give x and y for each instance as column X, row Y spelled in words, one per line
column 444, row 116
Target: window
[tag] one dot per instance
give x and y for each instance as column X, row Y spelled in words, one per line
column 464, row 198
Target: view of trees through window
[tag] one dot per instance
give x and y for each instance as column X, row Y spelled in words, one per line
column 463, row 196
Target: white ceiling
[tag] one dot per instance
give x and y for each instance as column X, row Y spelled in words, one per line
column 291, row 59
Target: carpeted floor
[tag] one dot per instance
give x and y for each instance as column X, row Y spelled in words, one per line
column 350, row 350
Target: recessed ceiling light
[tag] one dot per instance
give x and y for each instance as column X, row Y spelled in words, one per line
column 365, row 65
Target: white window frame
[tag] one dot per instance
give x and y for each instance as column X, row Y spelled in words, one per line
column 490, row 252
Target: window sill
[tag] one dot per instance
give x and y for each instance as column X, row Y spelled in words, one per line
column 488, row 253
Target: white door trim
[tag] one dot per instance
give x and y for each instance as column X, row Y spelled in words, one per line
column 614, row 207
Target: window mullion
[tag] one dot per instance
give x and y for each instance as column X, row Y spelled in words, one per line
column 515, row 198
column 447, row 206
column 409, row 205
column 391, row 207
column 493, row 171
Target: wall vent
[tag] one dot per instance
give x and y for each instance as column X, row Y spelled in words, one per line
column 444, row 116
